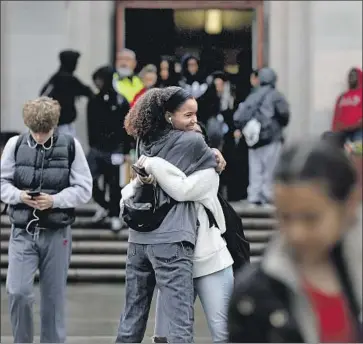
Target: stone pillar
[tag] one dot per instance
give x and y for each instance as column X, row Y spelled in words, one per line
column 290, row 58
column 312, row 46
column 89, row 32
column 32, row 32
column 32, row 35
column 4, row 61
column 336, row 46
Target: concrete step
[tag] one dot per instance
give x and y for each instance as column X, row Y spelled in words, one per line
column 89, row 261
column 86, row 275
column 85, row 222
column 253, row 235
column 103, row 251
column 108, row 261
column 84, row 234
column 107, row 235
column 246, row 210
column 96, row 275
column 99, row 255
column 242, row 208
column 83, row 245
column 88, row 247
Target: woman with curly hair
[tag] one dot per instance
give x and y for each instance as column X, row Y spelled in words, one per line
column 212, row 262
column 164, row 256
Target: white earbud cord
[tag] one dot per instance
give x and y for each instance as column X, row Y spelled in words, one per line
column 35, row 235
column 43, row 145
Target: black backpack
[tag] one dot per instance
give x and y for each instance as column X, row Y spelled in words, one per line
column 237, row 245
column 142, row 212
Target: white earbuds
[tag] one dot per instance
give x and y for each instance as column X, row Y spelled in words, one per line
column 170, row 120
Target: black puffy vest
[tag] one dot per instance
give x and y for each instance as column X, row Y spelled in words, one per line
column 48, row 170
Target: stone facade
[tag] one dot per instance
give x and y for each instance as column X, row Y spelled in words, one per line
column 311, row 45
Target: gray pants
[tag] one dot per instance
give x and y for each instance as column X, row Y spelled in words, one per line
column 170, row 268
column 262, row 163
column 50, row 252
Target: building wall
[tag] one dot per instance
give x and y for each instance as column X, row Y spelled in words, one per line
column 32, row 35
column 312, row 44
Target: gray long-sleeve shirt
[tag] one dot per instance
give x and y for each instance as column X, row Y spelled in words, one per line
column 80, row 179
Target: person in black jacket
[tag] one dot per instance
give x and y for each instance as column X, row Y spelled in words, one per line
column 167, row 75
column 109, row 144
column 308, row 286
column 65, row 87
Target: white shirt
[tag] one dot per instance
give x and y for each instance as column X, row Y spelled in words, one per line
column 211, row 253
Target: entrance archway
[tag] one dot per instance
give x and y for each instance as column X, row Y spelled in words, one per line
column 258, row 23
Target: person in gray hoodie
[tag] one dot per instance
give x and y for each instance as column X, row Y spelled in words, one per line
column 261, row 118
column 164, row 256
column 44, row 176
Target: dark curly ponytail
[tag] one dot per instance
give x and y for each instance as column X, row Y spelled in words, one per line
column 146, row 119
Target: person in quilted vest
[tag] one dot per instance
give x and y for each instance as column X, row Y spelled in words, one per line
column 44, row 177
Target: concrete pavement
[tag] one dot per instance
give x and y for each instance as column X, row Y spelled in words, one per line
column 93, row 314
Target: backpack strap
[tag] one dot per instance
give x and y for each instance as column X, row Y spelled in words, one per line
column 17, row 145
column 71, row 150
column 211, row 218
column 137, row 148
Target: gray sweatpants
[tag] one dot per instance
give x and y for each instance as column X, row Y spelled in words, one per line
column 262, row 163
column 50, row 252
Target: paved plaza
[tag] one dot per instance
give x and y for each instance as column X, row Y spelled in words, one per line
column 92, row 315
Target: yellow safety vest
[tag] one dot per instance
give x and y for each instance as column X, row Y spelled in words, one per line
column 128, row 87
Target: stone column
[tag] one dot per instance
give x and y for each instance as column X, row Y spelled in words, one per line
column 89, row 32
column 289, row 56
column 312, row 46
column 336, row 46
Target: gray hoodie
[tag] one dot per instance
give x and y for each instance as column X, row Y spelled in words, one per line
column 189, row 152
column 268, row 106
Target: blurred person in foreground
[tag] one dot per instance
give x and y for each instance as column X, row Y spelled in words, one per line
column 125, row 82
column 65, row 87
column 44, row 177
column 308, row 287
column 109, row 144
column 348, row 108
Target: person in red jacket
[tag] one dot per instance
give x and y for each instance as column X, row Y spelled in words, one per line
column 149, row 77
column 348, row 108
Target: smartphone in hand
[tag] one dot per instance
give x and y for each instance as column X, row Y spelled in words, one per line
column 33, row 193
column 140, row 171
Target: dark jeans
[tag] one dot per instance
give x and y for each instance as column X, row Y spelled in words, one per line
column 170, row 268
column 100, row 164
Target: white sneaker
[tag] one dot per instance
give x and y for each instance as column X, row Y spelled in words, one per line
column 99, row 215
column 116, row 224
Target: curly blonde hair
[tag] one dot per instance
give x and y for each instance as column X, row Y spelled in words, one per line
column 147, row 116
column 41, row 115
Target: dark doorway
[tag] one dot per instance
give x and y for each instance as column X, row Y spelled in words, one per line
column 155, row 32
column 150, row 33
